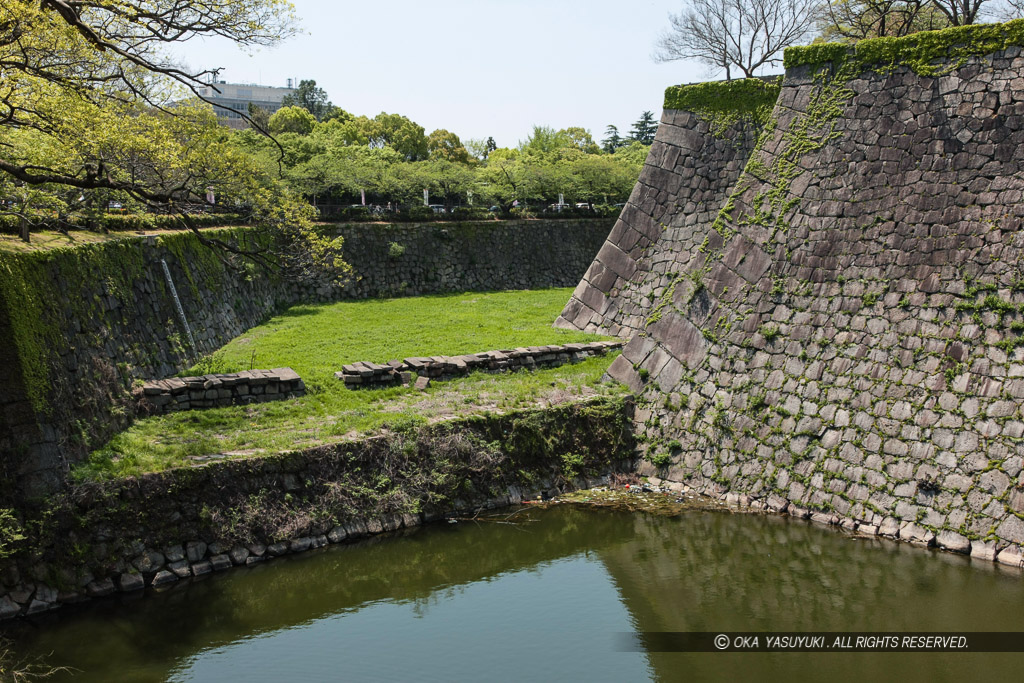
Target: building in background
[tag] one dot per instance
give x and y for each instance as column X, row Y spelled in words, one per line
column 235, row 98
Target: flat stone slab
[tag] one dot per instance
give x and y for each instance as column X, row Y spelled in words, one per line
column 366, row 374
column 209, row 391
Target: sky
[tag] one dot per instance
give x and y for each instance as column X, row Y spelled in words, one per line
column 478, row 68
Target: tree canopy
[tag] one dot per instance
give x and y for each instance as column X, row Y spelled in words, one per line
column 86, row 115
column 314, row 100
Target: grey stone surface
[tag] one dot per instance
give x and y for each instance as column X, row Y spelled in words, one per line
column 130, row 582
column 174, row 394
column 850, row 349
column 364, row 373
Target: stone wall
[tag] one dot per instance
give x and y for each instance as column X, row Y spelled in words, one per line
column 363, row 373
column 127, row 534
column 79, row 326
column 221, row 389
column 686, row 179
column 845, row 339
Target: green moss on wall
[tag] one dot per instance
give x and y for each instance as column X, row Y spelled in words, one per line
column 725, row 103
column 927, row 53
column 44, row 292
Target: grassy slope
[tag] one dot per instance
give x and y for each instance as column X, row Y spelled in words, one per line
column 317, row 340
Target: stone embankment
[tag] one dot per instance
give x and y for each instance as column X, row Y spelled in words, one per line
column 364, row 374
column 79, row 326
column 225, row 389
column 124, row 535
column 842, row 336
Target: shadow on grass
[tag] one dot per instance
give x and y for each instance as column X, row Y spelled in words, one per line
column 298, row 311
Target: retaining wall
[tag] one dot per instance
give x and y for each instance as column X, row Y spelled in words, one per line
column 121, row 536
column 79, row 326
column 844, row 340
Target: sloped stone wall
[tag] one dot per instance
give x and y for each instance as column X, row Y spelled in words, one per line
column 845, row 340
column 688, row 174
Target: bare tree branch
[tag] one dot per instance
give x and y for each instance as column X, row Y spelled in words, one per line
column 746, row 34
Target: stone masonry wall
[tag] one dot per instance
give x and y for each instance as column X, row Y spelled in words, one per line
column 221, row 389
column 80, row 325
column 124, row 535
column 686, row 179
column 845, row 341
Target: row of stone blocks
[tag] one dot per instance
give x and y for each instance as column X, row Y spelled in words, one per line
column 210, row 391
column 443, row 367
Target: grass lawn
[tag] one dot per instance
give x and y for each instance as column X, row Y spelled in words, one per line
column 316, row 341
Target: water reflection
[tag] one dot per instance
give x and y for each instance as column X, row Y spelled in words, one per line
column 543, row 599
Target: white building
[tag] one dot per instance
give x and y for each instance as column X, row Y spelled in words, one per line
column 237, row 96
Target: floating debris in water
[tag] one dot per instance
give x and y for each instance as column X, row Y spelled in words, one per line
column 641, row 498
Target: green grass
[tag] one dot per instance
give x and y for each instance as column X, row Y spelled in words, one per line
column 316, row 341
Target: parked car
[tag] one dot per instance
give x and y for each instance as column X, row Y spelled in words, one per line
column 559, row 207
column 438, row 208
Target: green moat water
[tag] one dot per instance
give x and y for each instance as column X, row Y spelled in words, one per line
column 546, row 599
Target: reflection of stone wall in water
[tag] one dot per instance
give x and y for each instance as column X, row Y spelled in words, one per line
column 846, row 338
column 715, row 572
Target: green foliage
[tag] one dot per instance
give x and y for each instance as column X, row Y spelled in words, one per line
column 951, row 47
column 314, row 100
column 644, row 129
column 11, row 532
column 443, row 144
column 725, row 103
column 395, row 250
column 660, row 459
column 292, row 120
column 573, row 465
column 770, row 332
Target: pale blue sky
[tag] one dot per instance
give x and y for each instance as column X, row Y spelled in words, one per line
column 475, row 67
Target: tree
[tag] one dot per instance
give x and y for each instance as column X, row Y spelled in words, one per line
column 745, row 34
column 580, row 138
column 959, row 12
column 312, row 99
column 1010, row 9
column 64, row 60
column 477, row 148
column 612, row 140
column 443, row 144
column 644, row 129
column 259, row 117
column 85, row 106
column 403, row 135
column 858, row 19
column 544, row 140
column 292, row 120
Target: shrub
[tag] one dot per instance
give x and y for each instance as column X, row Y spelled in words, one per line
column 395, row 250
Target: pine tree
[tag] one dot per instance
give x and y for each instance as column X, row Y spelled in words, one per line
column 644, row 129
column 612, row 140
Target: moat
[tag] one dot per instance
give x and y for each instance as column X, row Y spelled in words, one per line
column 548, row 598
